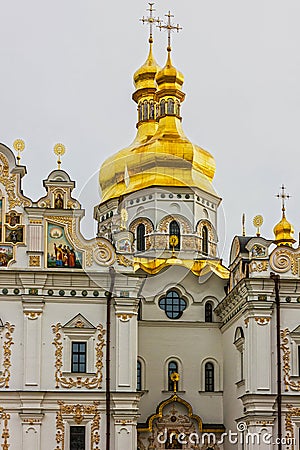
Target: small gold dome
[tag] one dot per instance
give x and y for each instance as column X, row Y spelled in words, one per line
column 144, row 77
column 169, row 78
column 283, row 232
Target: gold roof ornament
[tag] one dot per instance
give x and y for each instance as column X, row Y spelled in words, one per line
column 257, row 222
column 244, row 225
column 19, row 146
column 59, row 150
column 284, row 230
column 175, row 377
column 161, row 154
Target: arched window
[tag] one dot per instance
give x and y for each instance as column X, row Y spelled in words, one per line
column 209, row 377
column 204, row 240
column 140, row 112
column 172, row 367
column 174, row 230
column 139, row 376
column 170, row 106
column 152, row 111
column 140, row 237
column 239, row 342
column 145, row 110
column 208, row 312
column 162, row 108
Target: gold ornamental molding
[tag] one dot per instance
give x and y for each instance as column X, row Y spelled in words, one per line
column 94, row 382
column 77, row 413
column 5, row 377
column 34, row 261
column 5, row 431
column 262, row 320
column 259, row 266
column 289, row 427
column 286, row 357
column 124, row 317
column 33, row 315
column 9, row 183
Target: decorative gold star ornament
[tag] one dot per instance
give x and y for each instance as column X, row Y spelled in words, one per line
column 59, row 150
column 19, row 146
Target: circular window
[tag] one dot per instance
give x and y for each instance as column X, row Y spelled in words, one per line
column 173, row 305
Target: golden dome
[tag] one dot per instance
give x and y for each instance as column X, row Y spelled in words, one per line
column 144, row 77
column 165, row 158
column 283, row 232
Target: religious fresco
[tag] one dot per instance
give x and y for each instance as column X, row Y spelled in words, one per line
column 6, row 255
column 15, row 234
column 60, row 252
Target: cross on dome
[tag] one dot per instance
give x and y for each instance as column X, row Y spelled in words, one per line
column 169, row 27
column 283, row 195
column 150, row 21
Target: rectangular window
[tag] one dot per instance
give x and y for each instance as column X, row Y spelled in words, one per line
column 77, row 438
column 78, row 357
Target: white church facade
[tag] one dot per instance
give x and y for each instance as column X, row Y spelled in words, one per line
column 141, row 338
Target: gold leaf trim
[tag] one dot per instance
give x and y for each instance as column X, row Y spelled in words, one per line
column 9, row 183
column 78, row 413
column 4, row 379
column 78, row 382
column 286, row 358
column 5, row 432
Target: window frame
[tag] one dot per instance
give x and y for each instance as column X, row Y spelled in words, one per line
column 78, row 353
column 209, row 377
column 70, row 434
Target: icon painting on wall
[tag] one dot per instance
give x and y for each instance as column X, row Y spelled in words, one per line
column 15, row 234
column 6, row 255
column 61, row 253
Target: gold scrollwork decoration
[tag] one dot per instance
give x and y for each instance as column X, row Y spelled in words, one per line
column 78, row 413
column 94, row 382
column 5, row 431
column 259, row 266
column 286, row 357
column 5, row 377
column 262, row 320
column 9, row 183
column 32, row 315
column 123, row 261
column 125, row 317
column 289, row 428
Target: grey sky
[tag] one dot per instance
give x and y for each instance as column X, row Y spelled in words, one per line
column 66, row 76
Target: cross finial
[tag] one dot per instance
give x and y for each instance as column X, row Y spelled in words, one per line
column 150, row 21
column 169, row 27
column 283, row 195
column 19, row 146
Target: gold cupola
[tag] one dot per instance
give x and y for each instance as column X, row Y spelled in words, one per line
column 284, row 230
column 167, row 158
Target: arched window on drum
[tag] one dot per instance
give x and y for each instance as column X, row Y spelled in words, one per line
column 140, row 238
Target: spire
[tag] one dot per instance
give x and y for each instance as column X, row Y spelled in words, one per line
column 144, row 81
column 283, row 231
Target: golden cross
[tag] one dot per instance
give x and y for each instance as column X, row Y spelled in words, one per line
column 150, row 20
column 283, row 196
column 169, row 27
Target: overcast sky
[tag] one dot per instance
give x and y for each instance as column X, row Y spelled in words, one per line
column 66, row 76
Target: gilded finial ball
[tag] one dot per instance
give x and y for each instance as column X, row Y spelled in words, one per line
column 19, row 145
column 59, row 149
column 258, row 221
